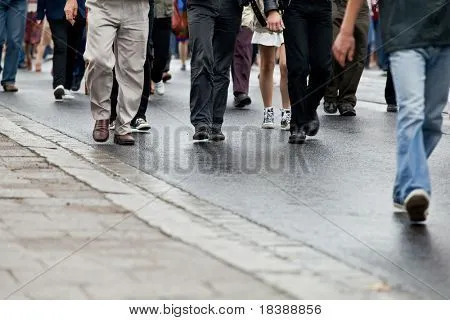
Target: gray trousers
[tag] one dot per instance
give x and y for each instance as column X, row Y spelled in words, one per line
column 213, row 28
column 124, row 25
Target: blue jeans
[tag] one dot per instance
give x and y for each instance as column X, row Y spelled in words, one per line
column 422, row 80
column 12, row 28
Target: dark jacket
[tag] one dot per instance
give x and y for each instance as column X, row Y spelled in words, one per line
column 54, row 9
column 269, row 5
column 409, row 24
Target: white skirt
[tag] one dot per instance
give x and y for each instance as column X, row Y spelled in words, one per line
column 268, row 39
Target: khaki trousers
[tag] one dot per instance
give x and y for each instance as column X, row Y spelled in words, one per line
column 122, row 24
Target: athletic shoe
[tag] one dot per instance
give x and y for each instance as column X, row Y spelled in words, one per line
column 269, row 117
column 59, row 93
column 141, row 125
column 330, row 107
column 285, row 120
column 160, row 88
column 416, row 204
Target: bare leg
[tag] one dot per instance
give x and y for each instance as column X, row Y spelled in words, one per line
column 267, row 66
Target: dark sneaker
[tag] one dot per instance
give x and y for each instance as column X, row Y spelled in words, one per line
column 59, row 93
column 297, row 136
column 330, row 107
column 141, row 125
column 242, row 100
column 312, row 127
column 347, row 110
column 216, row 134
column 416, row 205
column 166, row 76
column 201, row 133
column 392, row 108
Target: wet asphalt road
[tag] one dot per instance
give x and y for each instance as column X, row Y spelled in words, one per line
column 333, row 193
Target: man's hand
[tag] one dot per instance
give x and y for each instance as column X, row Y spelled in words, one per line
column 71, row 11
column 274, row 21
column 344, row 48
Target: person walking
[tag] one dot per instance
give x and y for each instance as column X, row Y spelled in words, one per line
column 162, row 28
column 124, row 25
column 33, row 31
column 67, row 38
column 340, row 94
column 12, row 29
column 268, row 43
column 213, row 26
column 139, row 122
column 308, row 38
column 242, row 60
column 420, row 65
column 46, row 40
column 182, row 35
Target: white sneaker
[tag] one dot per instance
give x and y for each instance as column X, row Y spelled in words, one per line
column 112, row 125
column 416, row 204
column 67, row 95
column 269, row 117
column 59, row 93
column 285, row 119
column 160, row 88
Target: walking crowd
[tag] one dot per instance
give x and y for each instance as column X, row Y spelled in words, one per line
column 123, row 50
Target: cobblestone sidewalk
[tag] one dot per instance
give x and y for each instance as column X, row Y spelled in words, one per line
column 61, row 239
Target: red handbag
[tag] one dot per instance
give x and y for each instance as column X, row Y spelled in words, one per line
column 178, row 23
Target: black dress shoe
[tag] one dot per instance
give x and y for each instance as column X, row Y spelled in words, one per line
column 297, row 136
column 216, row 134
column 347, row 110
column 312, row 127
column 242, row 100
column 201, row 133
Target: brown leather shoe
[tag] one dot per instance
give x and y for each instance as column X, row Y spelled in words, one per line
column 10, row 88
column 124, row 140
column 101, row 130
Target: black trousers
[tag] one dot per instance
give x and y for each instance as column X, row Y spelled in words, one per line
column 308, row 38
column 213, row 28
column 162, row 28
column 67, row 39
column 389, row 90
column 147, row 74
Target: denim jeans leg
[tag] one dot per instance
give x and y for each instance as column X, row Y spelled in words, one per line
column 15, row 31
column 409, row 73
column 436, row 90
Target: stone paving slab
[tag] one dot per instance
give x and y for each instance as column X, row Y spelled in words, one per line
column 63, row 239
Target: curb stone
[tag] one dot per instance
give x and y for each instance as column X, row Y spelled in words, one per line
column 282, row 263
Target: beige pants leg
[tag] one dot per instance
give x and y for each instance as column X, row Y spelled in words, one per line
column 124, row 24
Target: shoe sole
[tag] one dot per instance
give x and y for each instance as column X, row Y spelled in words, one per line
column 286, row 128
column 268, row 126
column 348, row 114
column 243, row 103
column 143, row 128
column 123, row 143
column 417, row 207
